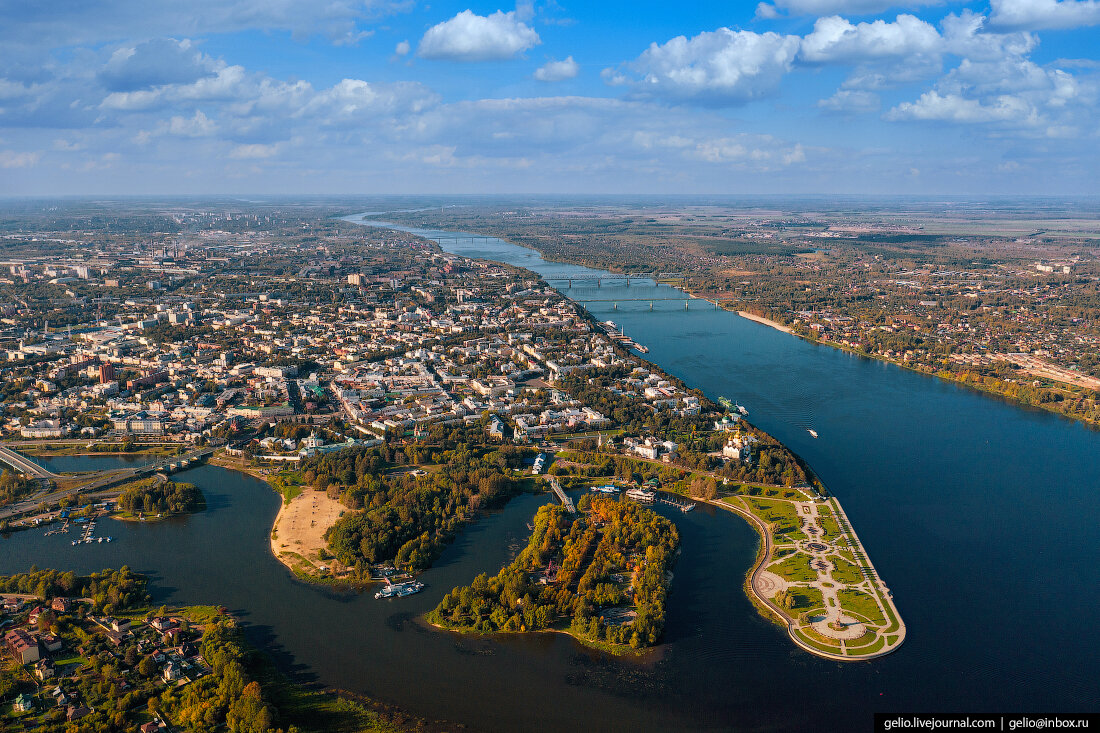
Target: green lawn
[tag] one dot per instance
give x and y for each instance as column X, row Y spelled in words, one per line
column 845, row 572
column 795, row 568
column 831, row 529
column 878, row 644
column 287, row 483
column 782, row 515
column 859, row 602
column 806, row 598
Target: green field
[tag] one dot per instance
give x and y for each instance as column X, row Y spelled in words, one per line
column 795, row 568
column 860, row 603
column 782, row 515
column 845, row 572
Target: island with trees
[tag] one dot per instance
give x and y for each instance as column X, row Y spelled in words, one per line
column 601, row 577
column 155, row 498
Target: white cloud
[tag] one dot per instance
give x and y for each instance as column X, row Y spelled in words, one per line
column 967, row 35
column 471, row 37
column 154, row 63
column 253, row 151
column 1040, row 14
column 829, row 7
column 955, row 108
column 834, row 39
column 714, row 67
column 229, row 83
column 14, row 159
column 558, row 70
column 851, row 101
column 197, row 126
column 402, row 48
column 352, row 100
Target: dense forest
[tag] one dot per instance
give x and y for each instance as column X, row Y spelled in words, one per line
column 603, row 575
column 110, row 590
column 407, row 519
column 161, row 497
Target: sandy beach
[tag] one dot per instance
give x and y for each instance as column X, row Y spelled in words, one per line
column 299, row 532
column 765, row 321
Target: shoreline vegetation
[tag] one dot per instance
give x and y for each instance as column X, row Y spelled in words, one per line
column 53, row 450
column 154, row 499
column 982, row 384
column 188, row 666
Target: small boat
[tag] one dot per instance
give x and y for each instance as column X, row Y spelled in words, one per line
column 812, row 432
column 399, row 590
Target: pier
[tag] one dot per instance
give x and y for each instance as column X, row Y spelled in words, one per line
column 681, row 504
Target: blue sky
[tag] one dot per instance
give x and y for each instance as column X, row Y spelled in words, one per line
column 400, row 96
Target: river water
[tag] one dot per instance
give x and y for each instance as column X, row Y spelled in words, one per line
column 980, row 515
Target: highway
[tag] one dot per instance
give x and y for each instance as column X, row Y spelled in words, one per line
column 24, row 465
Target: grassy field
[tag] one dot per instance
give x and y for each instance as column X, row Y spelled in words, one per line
column 288, row 483
column 806, row 598
column 846, row 572
column 781, row 514
column 795, row 568
column 859, row 602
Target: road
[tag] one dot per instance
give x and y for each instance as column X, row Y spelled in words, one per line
column 98, row 482
column 24, row 465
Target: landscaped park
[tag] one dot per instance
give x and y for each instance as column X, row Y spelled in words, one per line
column 815, row 577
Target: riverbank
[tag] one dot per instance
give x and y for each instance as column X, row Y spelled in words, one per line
column 46, row 450
column 980, row 383
column 976, row 382
column 298, row 534
column 765, row 321
column 623, row 651
column 297, row 538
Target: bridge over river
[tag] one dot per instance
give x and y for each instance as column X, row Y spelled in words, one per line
column 24, row 465
column 91, row 482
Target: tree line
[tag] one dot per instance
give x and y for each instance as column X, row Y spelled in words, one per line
column 572, row 573
column 407, row 519
column 151, row 496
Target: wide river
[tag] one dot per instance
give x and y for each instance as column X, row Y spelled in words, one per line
column 980, row 515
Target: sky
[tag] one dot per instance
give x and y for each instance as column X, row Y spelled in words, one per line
column 549, row 96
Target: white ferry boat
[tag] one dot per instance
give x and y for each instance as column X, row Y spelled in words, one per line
column 400, row 590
